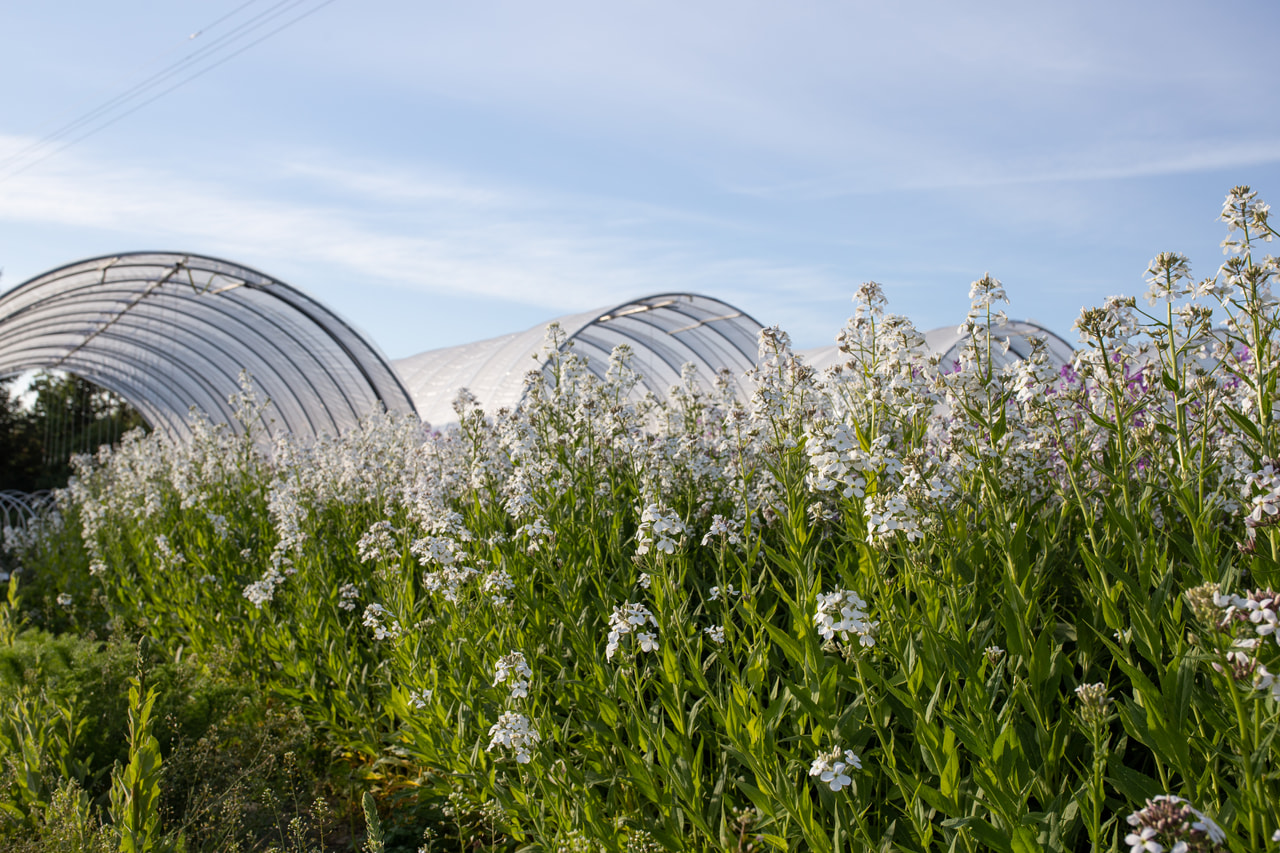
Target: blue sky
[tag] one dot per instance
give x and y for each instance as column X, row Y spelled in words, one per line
column 440, row 173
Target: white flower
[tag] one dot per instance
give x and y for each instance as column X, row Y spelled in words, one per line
column 716, row 633
column 420, row 698
column 538, row 532
column 498, row 583
column 378, row 542
column 514, row 732
column 645, row 581
column 1093, row 702
column 374, row 615
column 165, row 554
column 728, row 592
column 721, row 526
column 1169, row 275
column 64, row 600
column 262, row 591
column 347, row 595
column 849, row 607
column 659, row 525
column 448, row 580
column 1173, row 818
column 514, row 667
column 832, row 767
column 437, row 550
column 626, row 620
column 1143, row 842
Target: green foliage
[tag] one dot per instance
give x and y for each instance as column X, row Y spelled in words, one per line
column 375, row 841
column 895, row 607
column 68, row 825
column 135, row 792
column 228, row 753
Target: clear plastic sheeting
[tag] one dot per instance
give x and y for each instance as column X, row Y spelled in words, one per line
column 947, row 342
column 664, row 332
column 169, row 332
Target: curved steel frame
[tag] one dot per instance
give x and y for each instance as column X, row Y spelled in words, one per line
column 19, row 508
column 664, row 331
column 169, row 331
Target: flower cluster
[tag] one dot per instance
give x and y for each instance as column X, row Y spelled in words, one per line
column 1257, row 608
column 833, row 767
column 436, row 550
column 1093, row 703
column 448, row 581
column 837, row 461
column 538, row 532
column 1169, row 823
column 724, row 528
column 843, row 612
column 166, row 556
column 1264, row 486
column 891, row 514
column 498, row 583
column 658, row 530
column 629, row 619
column 348, row 594
column 1249, row 620
column 263, row 590
column 382, row 623
column 514, row 732
column 377, row 543
column 513, row 668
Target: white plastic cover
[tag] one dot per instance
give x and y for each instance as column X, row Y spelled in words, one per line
column 664, row 332
column 947, row 342
column 168, row 332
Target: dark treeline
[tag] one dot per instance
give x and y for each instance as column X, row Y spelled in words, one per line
column 68, row 415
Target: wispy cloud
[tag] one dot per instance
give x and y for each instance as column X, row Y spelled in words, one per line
column 451, row 235
column 1157, row 158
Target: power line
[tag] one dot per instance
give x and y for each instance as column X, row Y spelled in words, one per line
column 62, row 130
column 206, row 51
column 119, row 79
column 209, row 51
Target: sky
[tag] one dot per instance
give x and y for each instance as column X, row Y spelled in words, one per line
column 440, row 173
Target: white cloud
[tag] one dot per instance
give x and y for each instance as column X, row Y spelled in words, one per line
column 1118, row 161
column 445, row 235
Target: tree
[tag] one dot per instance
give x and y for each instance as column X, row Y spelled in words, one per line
column 21, row 455
column 68, row 415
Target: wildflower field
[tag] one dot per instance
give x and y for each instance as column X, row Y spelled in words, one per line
column 901, row 605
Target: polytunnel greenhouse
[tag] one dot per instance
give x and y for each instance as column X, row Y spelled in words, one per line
column 664, row 332
column 170, row 332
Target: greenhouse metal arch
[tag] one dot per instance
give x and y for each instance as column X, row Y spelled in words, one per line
column 664, row 331
column 171, row 331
